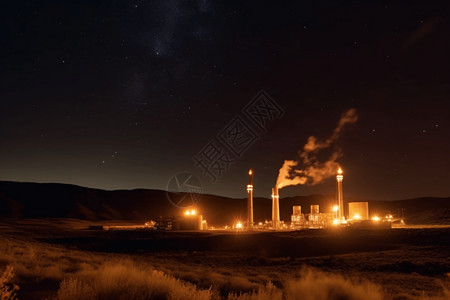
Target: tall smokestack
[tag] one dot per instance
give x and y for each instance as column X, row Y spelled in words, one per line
column 250, row 200
column 340, row 196
column 275, row 208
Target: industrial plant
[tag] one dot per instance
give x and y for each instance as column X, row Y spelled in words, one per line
column 334, row 216
column 358, row 212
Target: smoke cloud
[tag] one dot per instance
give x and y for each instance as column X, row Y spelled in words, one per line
column 308, row 169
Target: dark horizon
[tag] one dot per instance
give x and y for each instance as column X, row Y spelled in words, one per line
column 327, row 195
column 126, row 95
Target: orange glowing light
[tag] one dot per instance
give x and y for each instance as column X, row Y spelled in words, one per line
column 335, row 208
column 250, row 172
column 336, row 222
column 239, row 225
column 376, row 218
column 191, row 212
column 339, row 171
column 356, row 217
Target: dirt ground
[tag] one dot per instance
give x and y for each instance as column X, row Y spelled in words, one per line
column 406, row 262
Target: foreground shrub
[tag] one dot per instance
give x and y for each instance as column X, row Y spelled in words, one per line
column 317, row 285
column 75, row 289
column 126, row 281
column 7, row 289
column 269, row 292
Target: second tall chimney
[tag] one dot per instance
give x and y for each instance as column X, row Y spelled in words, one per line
column 275, row 208
column 250, row 201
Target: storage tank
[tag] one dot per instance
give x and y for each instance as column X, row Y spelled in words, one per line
column 314, row 209
column 358, row 210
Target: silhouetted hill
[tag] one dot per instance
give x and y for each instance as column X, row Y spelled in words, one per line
column 426, row 210
column 52, row 200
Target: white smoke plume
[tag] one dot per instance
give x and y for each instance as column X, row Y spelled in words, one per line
column 308, row 169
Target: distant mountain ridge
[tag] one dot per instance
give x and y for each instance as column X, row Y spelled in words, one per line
column 54, row 200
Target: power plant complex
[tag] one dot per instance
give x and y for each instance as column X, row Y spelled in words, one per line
column 334, row 216
column 358, row 212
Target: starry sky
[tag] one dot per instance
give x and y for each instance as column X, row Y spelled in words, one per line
column 125, row 94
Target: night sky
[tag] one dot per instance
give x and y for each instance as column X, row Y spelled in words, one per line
column 125, row 94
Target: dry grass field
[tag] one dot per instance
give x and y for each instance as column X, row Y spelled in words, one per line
column 60, row 259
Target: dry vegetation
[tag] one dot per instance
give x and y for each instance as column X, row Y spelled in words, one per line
column 45, row 271
column 7, row 288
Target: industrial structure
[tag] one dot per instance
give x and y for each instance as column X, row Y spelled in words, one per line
column 191, row 220
column 298, row 220
column 340, row 194
column 275, row 208
column 315, row 219
column 358, row 211
column 250, row 200
column 332, row 217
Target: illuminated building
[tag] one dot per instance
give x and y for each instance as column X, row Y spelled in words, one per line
column 191, row 220
column 358, row 210
column 298, row 220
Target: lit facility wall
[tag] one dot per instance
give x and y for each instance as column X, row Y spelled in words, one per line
column 358, row 210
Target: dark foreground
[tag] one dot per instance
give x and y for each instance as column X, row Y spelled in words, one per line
column 402, row 262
